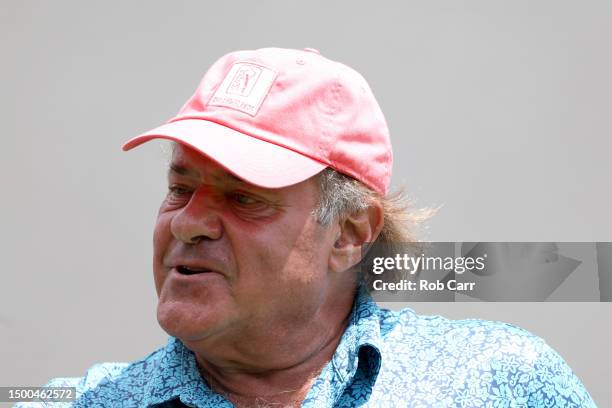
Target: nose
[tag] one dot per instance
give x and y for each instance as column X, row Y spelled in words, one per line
column 198, row 220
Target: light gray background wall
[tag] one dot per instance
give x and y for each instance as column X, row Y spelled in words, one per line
column 499, row 111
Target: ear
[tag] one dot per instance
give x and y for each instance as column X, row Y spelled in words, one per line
column 354, row 231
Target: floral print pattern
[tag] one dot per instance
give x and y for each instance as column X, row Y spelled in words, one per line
column 384, row 359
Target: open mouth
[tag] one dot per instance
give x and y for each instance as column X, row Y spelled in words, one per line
column 183, row 270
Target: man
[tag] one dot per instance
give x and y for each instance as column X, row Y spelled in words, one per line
column 279, row 174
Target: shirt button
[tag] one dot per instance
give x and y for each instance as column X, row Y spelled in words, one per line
column 312, row 50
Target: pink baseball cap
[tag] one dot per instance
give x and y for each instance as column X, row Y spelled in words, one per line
column 275, row 117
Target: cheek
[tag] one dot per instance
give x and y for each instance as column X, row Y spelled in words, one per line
column 162, row 237
column 308, row 260
column 289, row 256
column 284, row 281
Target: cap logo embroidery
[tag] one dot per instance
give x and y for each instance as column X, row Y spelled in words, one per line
column 244, row 88
column 244, row 80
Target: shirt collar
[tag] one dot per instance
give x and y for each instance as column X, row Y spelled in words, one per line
column 178, row 376
column 363, row 331
column 361, row 347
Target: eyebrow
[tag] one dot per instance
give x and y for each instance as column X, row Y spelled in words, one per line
column 185, row 171
column 182, row 170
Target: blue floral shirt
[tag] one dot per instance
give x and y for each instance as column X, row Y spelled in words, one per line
column 384, row 359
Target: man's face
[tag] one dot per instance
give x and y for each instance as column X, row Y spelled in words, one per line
column 234, row 260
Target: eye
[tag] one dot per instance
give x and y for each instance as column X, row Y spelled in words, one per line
column 250, row 206
column 177, row 191
column 243, row 199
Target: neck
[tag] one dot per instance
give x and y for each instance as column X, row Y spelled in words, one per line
column 261, row 386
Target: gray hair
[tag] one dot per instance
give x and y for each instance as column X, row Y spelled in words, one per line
column 341, row 195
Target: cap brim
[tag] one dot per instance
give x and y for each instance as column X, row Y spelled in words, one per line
column 254, row 160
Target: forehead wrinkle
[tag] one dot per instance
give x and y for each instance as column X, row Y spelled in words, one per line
column 230, row 176
column 221, row 175
column 180, row 163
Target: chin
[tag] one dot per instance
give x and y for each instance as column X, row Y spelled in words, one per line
column 182, row 321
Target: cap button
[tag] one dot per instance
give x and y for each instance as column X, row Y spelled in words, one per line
column 312, row 50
